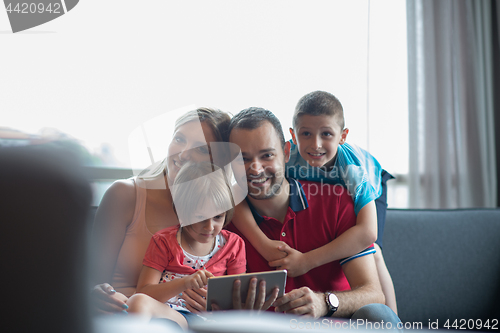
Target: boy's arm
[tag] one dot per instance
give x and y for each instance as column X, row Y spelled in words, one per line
column 148, row 283
column 244, row 221
column 352, row 241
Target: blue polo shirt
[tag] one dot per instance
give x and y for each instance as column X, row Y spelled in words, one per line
column 354, row 168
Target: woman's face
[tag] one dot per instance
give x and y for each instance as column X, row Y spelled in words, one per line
column 189, row 143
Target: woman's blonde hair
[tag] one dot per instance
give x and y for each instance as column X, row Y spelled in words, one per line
column 217, row 120
column 197, row 184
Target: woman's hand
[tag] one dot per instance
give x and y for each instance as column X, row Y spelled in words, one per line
column 196, row 299
column 106, row 300
column 197, row 280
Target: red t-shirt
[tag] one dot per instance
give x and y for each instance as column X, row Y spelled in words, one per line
column 165, row 253
column 317, row 214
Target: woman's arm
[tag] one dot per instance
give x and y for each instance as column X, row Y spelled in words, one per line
column 244, row 221
column 352, row 241
column 112, row 218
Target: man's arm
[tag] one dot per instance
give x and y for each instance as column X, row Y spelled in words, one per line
column 365, row 289
column 361, row 273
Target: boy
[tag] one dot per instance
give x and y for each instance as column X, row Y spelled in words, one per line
column 319, row 153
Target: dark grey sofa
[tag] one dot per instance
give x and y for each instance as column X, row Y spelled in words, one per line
column 445, row 264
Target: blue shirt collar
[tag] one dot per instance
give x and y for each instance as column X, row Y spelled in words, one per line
column 297, row 203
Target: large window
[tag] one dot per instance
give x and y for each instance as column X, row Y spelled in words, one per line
column 96, row 74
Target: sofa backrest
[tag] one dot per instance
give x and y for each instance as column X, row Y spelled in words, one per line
column 445, row 264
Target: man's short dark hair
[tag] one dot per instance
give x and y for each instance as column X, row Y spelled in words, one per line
column 319, row 103
column 252, row 118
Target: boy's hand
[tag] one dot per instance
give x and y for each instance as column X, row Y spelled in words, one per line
column 197, row 280
column 295, row 262
column 271, row 250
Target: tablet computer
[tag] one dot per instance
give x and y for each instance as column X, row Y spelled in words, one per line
column 220, row 288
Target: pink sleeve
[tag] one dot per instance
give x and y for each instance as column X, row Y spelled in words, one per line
column 237, row 264
column 157, row 255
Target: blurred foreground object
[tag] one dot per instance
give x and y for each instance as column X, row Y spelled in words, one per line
column 44, row 203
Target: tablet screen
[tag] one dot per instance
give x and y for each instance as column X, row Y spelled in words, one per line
column 220, row 288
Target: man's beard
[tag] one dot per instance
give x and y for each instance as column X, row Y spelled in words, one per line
column 273, row 190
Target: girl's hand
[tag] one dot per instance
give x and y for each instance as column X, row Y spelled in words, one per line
column 271, row 250
column 106, row 300
column 197, row 280
column 295, row 262
column 196, row 299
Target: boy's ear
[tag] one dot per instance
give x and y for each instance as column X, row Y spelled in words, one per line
column 287, row 151
column 343, row 136
column 293, row 136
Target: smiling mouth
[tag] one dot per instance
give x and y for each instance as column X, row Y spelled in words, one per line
column 258, row 181
column 316, row 155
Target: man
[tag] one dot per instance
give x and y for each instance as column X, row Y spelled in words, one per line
column 305, row 218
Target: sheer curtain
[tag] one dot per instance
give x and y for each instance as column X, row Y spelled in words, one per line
column 451, row 110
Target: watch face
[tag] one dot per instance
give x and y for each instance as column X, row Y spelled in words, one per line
column 334, row 301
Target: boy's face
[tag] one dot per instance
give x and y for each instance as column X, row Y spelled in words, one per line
column 318, row 138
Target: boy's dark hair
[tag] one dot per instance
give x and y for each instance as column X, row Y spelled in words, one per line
column 252, row 118
column 318, row 103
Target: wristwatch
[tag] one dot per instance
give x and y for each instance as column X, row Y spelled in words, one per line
column 332, row 302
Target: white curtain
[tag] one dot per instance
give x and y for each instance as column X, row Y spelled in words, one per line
column 452, row 138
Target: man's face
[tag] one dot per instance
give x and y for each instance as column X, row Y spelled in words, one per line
column 264, row 160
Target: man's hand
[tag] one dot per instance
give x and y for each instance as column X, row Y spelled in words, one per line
column 196, row 299
column 254, row 300
column 302, row 301
column 197, row 280
column 296, row 263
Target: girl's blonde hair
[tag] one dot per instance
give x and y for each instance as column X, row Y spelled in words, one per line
column 217, row 120
column 197, row 184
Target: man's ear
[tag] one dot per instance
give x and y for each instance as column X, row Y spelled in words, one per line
column 293, row 136
column 343, row 136
column 287, row 151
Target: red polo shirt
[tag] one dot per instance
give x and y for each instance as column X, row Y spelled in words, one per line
column 317, row 214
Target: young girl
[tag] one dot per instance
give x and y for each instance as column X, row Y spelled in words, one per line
column 184, row 257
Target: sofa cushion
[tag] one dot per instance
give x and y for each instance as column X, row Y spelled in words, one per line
column 445, row 264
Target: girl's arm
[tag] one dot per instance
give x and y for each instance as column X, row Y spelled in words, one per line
column 352, row 241
column 244, row 221
column 149, row 277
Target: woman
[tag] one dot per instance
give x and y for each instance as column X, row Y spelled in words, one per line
column 134, row 209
